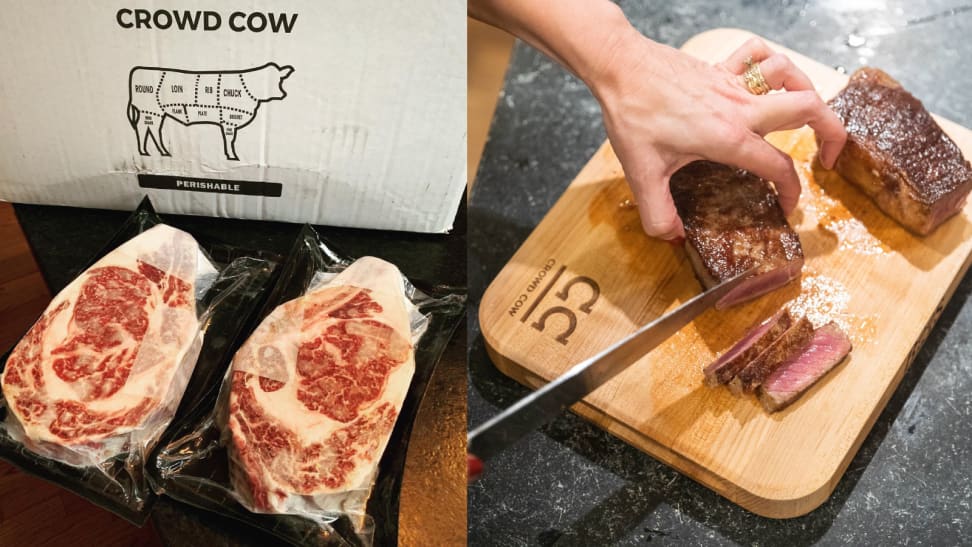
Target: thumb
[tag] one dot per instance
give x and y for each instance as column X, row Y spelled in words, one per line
column 659, row 218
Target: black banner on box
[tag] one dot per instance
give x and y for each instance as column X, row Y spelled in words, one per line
column 219, row 186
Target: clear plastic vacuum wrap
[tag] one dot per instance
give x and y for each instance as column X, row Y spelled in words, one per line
column 307, row 437
column 96, row 380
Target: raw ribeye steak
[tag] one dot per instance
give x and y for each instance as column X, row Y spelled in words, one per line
column 103, row 369
column 315, row 392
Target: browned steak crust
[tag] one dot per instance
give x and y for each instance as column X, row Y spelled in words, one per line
column 734, row 222
column 897, row 154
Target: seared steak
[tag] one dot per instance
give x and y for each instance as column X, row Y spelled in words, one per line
column 897, row 154
column 790, row 343
column 791, row 379
column 744, row 351
column 734, row 222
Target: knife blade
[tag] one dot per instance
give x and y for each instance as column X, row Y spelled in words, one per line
column 546, row 403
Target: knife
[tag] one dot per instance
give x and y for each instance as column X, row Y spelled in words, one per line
column 546, row 403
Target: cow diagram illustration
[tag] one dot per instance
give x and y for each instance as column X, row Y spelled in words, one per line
column 228, row 99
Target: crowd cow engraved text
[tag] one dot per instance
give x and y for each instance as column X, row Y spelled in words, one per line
column 228, row 99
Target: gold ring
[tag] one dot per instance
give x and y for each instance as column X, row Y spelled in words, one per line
column 754, row 78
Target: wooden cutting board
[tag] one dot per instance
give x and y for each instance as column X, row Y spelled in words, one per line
column 588, row 275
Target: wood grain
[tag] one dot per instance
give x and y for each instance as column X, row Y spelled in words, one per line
column 32, row 511
column 883, row 285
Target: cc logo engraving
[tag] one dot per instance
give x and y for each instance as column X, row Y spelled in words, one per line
column 595, row 292
column 566, row 311
column 541, row 323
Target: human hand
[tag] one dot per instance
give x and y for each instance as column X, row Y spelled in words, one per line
column 664, row 109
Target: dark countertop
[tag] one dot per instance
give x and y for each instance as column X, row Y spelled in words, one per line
column 571, row 483
column 432, row 503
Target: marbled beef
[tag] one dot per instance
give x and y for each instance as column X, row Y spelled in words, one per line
column 103, row 370
column 315, row 392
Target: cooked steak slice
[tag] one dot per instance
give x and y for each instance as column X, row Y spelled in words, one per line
column 790, row 380
column 790, row 343
column 898, row 155
column 734, row 222
column 744, row 351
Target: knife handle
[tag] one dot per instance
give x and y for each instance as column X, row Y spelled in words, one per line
column 474, row 468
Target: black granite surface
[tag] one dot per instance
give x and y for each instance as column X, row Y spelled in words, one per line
column 572, row 484
column 65, row 238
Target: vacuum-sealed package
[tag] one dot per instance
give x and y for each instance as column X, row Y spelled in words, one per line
column 307, row 437
column 105, row 366
column 91, row 387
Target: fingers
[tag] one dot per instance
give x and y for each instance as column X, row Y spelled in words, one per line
column 780, row 73
column 794, row 109
column 753, row 48
column 754, row 154
column 799, row 106
column 659, row 218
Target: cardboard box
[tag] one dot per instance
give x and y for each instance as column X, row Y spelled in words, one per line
column 349, row 112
